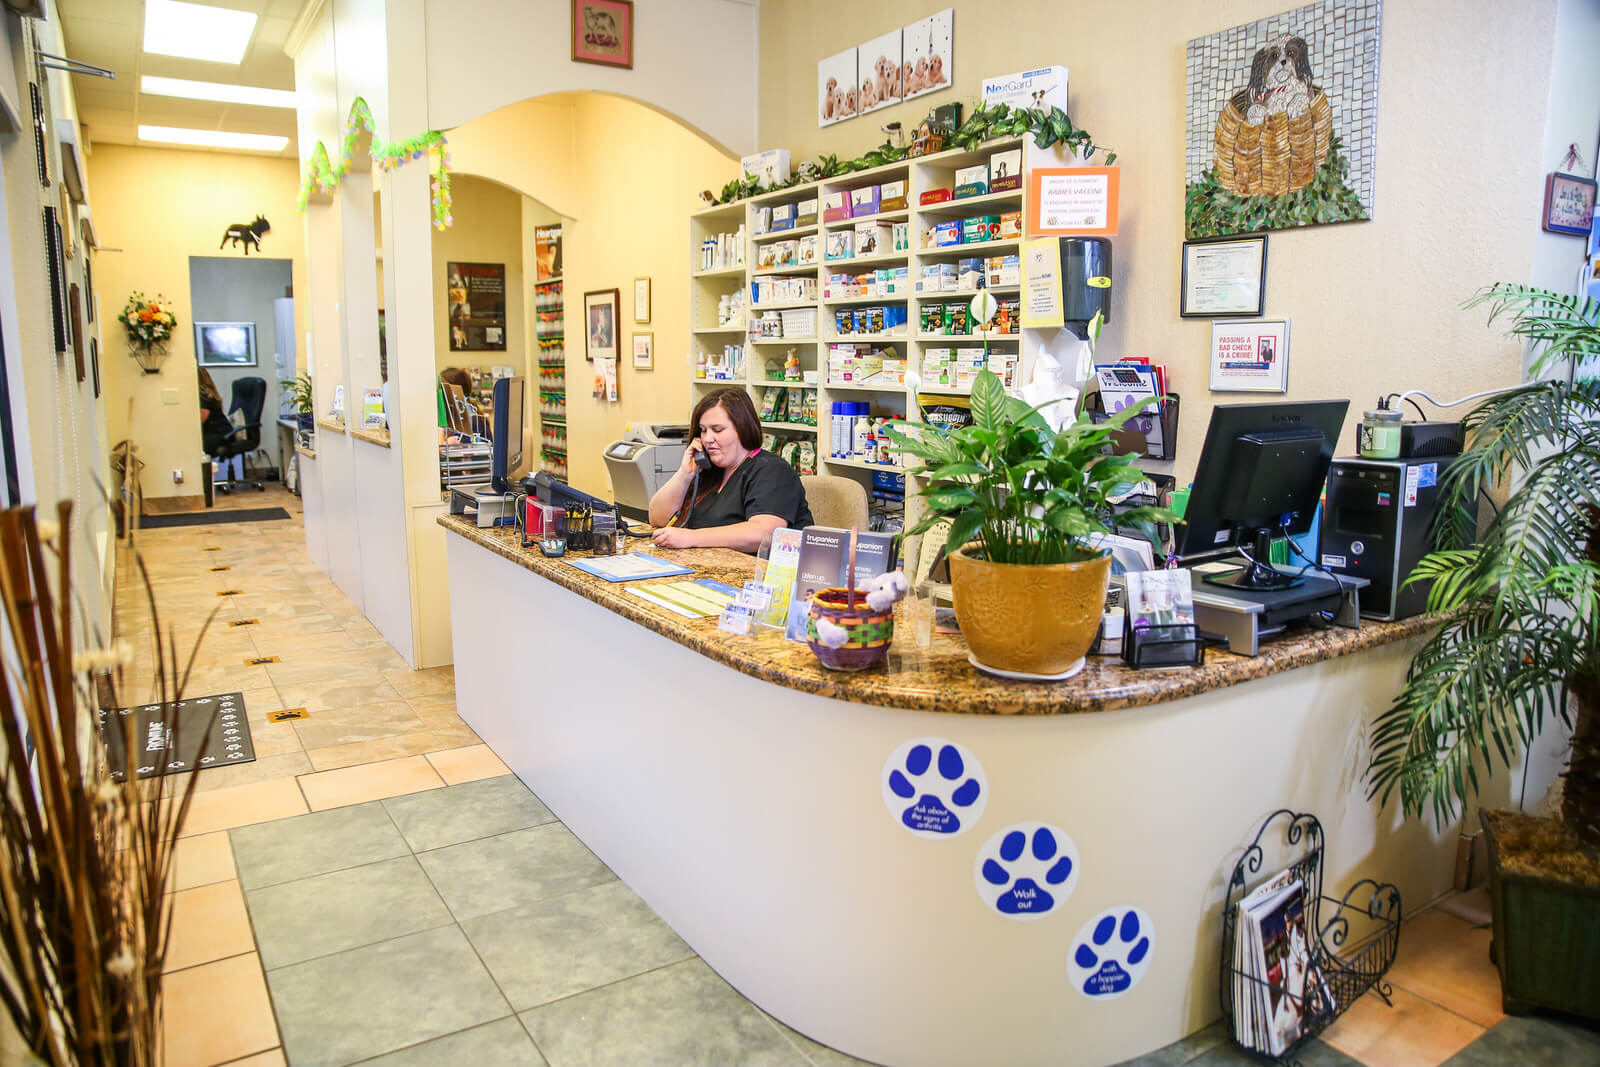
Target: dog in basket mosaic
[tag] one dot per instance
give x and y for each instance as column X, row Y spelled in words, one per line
column 1280, row 80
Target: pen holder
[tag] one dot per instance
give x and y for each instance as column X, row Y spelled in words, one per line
column 868, row 632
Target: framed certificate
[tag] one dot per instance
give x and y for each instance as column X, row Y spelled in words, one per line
column 1224, row 277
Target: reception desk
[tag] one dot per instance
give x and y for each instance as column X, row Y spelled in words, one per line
column 840, row 847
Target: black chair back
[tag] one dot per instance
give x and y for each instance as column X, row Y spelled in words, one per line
column 249, row 396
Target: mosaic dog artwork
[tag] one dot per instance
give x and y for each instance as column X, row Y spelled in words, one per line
column 1280, row 80
column 248, row 232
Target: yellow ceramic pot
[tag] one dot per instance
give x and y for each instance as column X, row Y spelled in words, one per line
column 1028, row 619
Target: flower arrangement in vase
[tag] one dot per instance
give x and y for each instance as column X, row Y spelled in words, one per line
column 149, row 325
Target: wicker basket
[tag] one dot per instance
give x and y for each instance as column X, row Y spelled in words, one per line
column 1276, row 157
column 869, row 631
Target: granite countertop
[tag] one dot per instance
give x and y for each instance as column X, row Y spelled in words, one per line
column 936, row 678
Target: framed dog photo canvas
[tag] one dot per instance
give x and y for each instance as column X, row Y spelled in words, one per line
column 1568, row 204
column 602, row 32
column 1227, row 277
column 836, row 88
column 600, row 323
column 878, row 70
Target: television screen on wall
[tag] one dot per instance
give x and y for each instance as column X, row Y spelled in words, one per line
column 225, row 344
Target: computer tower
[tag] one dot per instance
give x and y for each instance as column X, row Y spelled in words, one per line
column 1378, row 520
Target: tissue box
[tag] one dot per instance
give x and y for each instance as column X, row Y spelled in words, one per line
column 872, row 238
column 805, row 212
column 783, row 217
column 864, row 201
column 1043, row 88
column 771, row 166
column 972, row 181
column 892, row 196
column 1010, row 224
column 980, row 228
column 835, row 206
column 1005, row 171
column 946, row 234
column 841, row 245
column 1004, row 270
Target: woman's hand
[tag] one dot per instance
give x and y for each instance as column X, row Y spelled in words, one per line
column 674, row 537
column 690, row 456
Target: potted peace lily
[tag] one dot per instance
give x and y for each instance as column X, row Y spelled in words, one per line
column 1025, row 502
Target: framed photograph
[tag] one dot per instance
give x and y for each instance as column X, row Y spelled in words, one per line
column 1250, row 357
column 602, row 32
column 641, row 300
column 476, row 294
column 1224, row 277
column 75, row 310
column 600, row 323
column 56, row 267
column 644, row 353
column 1568, row 204
column 225, row 344
column 836, row 88
column 94, row 364
column 882, row 81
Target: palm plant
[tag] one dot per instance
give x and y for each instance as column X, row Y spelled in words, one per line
column 1520, row 634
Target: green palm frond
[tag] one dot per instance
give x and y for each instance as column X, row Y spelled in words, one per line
column 1564, row 324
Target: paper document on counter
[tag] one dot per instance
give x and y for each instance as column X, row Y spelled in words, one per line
column 628, row 568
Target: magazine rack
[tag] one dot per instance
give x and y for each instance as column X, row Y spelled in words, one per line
column 1348, row 972
column 1129, row 440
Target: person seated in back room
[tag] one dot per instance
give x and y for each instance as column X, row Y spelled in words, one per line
column 740, row 495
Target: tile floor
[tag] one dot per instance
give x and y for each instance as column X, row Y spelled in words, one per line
column 376, row 887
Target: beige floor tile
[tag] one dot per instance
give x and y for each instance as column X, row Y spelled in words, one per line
column 243, row 805
column 272, row 1058
column 208, row 923
column 1471, row 907
column 272, row 739
column 1446, row 960
column 366, row 722
column 330, row 696
column 262, row 769
column 203, row 860
column 261, row 701
column 435, row 704
column 433, row 681
column 1414, row 1033
column 373, row 781
column 217, row 1012
column 457, row 765
column 277, row 641
column 456, row 736
column 384, row 748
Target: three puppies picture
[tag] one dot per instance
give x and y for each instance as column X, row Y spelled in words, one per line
column 884, row 71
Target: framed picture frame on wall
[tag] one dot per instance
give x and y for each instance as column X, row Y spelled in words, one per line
column 600, row 323
column 602, row 32
column 1568, row 203
column 641, row 300
column 1224, row 277
column 225, row 344
column 644, row 353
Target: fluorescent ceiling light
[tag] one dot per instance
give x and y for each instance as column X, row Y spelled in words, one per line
column 256, row 142
column 195, row 31
column 229, row 94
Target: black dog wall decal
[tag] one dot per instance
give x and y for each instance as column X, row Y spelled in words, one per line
column 249, row 233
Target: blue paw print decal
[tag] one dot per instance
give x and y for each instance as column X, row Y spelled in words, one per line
column 1111, row 953
column 1027, row 870
column 934, row 786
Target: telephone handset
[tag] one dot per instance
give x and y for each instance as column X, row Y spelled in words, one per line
column 702, row 463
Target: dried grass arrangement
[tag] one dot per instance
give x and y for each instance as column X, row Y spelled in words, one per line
column 85, row 862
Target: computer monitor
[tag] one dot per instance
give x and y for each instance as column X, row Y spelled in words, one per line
column 506, row 455
column 1261, row 471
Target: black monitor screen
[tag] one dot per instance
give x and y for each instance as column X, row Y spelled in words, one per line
column 507, row 452
column 1262, row 469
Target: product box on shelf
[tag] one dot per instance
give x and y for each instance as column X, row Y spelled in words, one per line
column 980, row 228
column 1043, row 88
column 970, row 273
column 900, row 236
column 864, row 201
column 934, row 196
column 840, row 245
column 805, row 212
column 782, row 217
column 872, row 238
column 946, row 234
column 835, row 206
column 1010, row 224
column 972, row 181
column 900, row 281
column 806, row 249
column 1004, row 270
column 785, row 253
column 763, row 220
column 1005, row 171
column 892, row 196
column 771, row 166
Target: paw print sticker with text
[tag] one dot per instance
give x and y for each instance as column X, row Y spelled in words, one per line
column 1111, row 953
column 934, row 786
column 1027, row 870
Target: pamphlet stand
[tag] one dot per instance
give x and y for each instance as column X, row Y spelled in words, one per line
column 1179, row 645
column 1348, row 973
column 1130, row 441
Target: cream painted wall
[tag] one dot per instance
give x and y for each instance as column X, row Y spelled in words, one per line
column 487, row 229
column 526, row 145
column 1374, row 306
column 160, row 207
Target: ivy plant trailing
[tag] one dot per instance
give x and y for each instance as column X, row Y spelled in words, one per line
column 1046, row 127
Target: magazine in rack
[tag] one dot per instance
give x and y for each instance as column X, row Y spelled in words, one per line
column 1277, row 984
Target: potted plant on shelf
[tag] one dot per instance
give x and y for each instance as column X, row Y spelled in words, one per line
column 300, row 393
column 1024, row 502
column 1519, row 647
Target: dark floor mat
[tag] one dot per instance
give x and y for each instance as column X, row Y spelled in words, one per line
column 211, row 518
column 174, row 732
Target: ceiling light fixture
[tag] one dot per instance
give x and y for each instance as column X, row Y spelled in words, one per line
column 255, row 142
column 228, row 94
column 195, row 31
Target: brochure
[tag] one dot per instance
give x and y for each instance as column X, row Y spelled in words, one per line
column 1160, row 598
column 781, row 562
column 824, row 564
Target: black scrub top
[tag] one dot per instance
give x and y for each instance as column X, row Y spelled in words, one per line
column 762, row 485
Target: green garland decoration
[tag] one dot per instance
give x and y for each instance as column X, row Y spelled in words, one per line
column 324, row 176
column 1046, row 127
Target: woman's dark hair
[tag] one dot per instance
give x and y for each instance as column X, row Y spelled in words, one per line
column 209, row 391
column 741, row 412
column 459, row 377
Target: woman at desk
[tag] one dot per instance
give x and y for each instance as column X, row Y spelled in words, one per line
column 743, row 492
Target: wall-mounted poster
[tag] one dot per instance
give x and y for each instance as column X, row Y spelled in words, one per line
column 1283, row 120
column 547, row 252
column 477, row 296
column 927, row 61
column 836, row 88
column 878, row 72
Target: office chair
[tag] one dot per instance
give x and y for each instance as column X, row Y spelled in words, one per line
column 835, row 500
column 249, row 397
